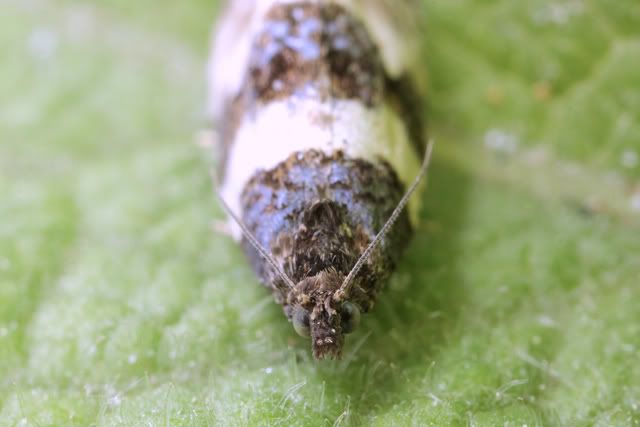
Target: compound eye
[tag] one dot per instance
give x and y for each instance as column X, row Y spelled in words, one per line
column 350, row 317
column 300, row 321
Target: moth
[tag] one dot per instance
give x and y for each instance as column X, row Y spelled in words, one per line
column 318, row 107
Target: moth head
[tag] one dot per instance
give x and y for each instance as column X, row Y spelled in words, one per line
column 326, row 330
column 318, row 315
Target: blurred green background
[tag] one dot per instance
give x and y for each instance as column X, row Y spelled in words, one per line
column 517, row 303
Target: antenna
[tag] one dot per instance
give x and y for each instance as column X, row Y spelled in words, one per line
column 251, row 238
column 392, row 219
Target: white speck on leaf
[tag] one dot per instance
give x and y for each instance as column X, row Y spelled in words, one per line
column 92, row 350
column 88, row 389
column 133, row 358
column 435, row 400
column 43, row 43
column 115, row 400
column 558, row 13
column 635, row 202
column 501, row 141
column 629, row 159
column 80, row 22
column 547, row 321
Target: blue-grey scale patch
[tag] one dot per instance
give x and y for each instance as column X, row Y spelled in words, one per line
column 316, row 213
column 321, row 47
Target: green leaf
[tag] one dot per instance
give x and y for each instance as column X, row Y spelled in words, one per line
column 516, row 303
